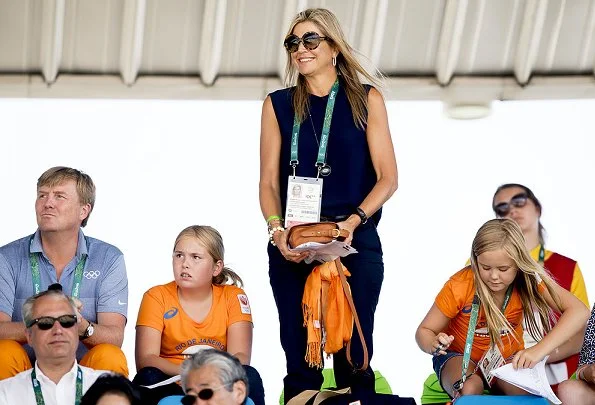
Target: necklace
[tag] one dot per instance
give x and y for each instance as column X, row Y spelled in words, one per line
column 326, row 169
column 313, row 129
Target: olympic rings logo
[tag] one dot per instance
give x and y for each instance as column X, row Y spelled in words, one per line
column 93, row 274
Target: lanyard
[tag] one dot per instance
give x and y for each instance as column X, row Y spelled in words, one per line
column 541, row 255
column 326, row 128
column 471, row 330
column 78, row 274
column 39, row 394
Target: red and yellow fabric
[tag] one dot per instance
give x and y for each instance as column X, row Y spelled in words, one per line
column 181, row 336
column 566, row 272
column 568, row 275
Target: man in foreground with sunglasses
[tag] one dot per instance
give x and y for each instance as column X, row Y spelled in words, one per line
column 51, row 328
column 215, row 376
column 92, row 272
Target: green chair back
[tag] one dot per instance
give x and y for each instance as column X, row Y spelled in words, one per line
column 381, row 384
column 433, row 392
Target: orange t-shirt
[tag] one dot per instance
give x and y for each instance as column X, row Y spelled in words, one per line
column 454, row 301
column 181, row 336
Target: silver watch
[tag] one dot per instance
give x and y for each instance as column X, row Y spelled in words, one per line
column 88, row 332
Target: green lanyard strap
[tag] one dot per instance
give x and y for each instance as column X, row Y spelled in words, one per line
column 471, row 334
column 78, row 274
column 39, row 394
column 541, row 255
column 326, row 128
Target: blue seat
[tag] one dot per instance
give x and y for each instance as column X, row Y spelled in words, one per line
column 177, row 400
column 171, row 400
column 501, row 400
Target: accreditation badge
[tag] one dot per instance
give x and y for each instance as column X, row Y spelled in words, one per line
column 491, row 360
column 304, row 198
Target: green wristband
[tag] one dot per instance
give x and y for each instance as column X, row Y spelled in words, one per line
column 273, row 217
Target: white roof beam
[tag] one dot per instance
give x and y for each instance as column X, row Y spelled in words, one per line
column 131, row 42
column 449, row 45
column 509, row 35
column 462, row 89
column 292, row 7
column 529, row 39
column 52, row 35
column 588, row 37
column 372, row 35
column 481, row 5
column 555, row 35
column 211, row 40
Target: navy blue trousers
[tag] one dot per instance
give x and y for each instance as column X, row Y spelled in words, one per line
column 288, row 280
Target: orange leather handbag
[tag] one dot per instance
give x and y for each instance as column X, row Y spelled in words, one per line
column 321, row 232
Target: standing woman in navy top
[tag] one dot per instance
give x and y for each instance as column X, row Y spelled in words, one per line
column 330, row 127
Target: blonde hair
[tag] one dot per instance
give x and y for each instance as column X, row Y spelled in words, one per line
column 348, row 67
column 506, row 234
column 84, row 185
column 211, row 239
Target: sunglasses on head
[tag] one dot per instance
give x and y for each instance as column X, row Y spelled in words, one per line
column 47, row 322
column 518, row 201
column 311, row 40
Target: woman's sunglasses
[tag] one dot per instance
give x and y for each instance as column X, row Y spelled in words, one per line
column 47, row 322
column 311, row 40
column 518, row 201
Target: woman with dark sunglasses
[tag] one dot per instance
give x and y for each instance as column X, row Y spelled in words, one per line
column 517, row 202
column 326, row 119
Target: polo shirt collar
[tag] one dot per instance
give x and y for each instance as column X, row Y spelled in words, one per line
column 81, row 248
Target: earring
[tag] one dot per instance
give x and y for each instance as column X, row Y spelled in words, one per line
column 334, row 61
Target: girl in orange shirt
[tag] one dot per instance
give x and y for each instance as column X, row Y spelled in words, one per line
column 204, row 307
column 505, row 284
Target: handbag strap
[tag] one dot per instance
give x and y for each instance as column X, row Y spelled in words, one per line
column 339, row 234
column 347, row 291
column 303, row 397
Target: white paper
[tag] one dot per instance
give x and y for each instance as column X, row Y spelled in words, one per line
column 532, row 380
column 173, row 379
column 325, row 252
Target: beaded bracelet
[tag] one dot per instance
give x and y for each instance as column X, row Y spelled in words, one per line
column 272, row 233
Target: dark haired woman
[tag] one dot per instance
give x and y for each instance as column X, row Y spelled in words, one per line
column 112, row 389
column 517, row 202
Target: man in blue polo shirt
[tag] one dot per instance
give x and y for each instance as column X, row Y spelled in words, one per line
column 91, row 271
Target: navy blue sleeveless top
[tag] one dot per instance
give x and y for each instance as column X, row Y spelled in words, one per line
column 352, row 176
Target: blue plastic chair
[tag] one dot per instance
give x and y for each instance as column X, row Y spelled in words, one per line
column 177, row 400
column 501, row 400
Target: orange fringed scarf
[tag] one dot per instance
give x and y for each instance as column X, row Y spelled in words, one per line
column 324, row 304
